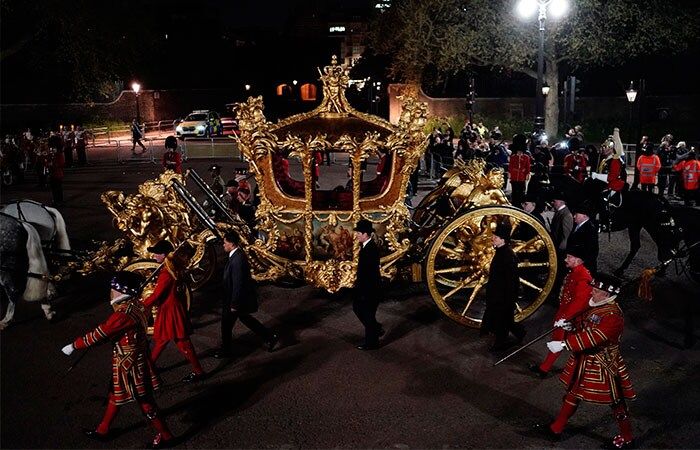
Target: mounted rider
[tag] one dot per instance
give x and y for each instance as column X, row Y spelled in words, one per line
column 612, row 171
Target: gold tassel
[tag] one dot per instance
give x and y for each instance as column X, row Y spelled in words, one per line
column 644, row 290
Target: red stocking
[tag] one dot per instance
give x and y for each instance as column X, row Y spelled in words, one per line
column 158, row 347
column 150, row 410
column 186, row 348
column 623, row 421
column 546, row 366
column 108, row 418
column 568, row 408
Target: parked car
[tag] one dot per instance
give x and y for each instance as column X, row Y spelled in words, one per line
column 202, row 123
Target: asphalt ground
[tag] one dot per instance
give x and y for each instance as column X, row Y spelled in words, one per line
column 432, row 384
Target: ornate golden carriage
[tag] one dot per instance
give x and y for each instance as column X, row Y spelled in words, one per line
column 303, row 227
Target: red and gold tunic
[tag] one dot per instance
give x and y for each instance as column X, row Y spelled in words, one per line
column 595, row 371
column 132, row 374
column 172, row 320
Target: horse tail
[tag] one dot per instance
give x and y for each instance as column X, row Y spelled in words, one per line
column 61, row 234
column 37, row 289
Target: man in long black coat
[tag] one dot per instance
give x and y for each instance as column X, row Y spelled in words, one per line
column 585, row 236
column 240, row 298
column 367, row 286
column 502, row 292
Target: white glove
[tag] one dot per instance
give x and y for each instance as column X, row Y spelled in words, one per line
column 563, row 323
column 600, row 176
column 555, row 346
column 68, row 349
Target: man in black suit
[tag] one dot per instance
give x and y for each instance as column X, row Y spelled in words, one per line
column 240, row 299
column 585, row 236
column 367, row 286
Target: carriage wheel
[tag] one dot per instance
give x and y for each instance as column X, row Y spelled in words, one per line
column 457, row 266
column 201, row 270
column 145, row 268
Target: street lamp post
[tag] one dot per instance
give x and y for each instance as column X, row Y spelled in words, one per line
column 525, row 9
column 631, row 97
column 137, row 88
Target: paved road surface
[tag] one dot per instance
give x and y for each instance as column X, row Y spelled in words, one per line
column 431, row 385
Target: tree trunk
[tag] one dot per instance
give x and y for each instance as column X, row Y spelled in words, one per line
column 551, row 102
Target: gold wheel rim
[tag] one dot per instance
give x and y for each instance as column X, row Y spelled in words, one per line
column 459, row 258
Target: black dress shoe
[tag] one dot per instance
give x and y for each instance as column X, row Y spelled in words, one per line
column 536, row 370
column 368, row 346
column 223, row 354
column 543, row 431
column 272, row 343
column 94, row 435
column 193, row 377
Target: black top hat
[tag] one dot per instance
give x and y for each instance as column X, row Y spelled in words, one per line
column 607, row 283
column 576, row 250
column 127, row 283
column 163, row 247
column 583, row 208
column 558, row 194
column 364, row 226
column 503, row 230
column 531, row 198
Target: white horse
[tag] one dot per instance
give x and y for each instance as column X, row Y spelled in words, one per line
column 24, row 270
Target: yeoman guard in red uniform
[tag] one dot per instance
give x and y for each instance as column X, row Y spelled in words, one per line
column 595, row 371
column 133, row 377
column 172, row 320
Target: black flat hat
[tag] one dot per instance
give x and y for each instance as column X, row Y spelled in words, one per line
column 364, row 226
column 163, row 247
column 607, row 283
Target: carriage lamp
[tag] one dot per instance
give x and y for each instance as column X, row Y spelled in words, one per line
column 294, row 82
column 247, row 87
column 545, row 89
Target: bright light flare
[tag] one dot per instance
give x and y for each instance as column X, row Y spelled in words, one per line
column 527, row 8
column 135, row 87
column 558, row 8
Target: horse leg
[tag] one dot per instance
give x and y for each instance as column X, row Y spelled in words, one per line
column 634, row 233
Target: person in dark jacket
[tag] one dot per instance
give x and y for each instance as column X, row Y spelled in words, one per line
column 367, row 286
column 585, row 235
column 240, row 299
column 502, row 292
column 56, row 163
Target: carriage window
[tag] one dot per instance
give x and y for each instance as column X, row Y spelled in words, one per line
column 288, row 174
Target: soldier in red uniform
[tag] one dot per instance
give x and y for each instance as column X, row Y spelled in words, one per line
column 171, row 158
column 612, row 168
column 172, row 321
column 575, row 293
column 133, row 377
column 575, row 165
column 519, row 168
column 56, row 163
column 595, row 371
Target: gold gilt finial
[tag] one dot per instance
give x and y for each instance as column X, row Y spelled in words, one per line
column 335, row 80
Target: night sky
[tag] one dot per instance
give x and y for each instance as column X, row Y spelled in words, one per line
column 212, row 44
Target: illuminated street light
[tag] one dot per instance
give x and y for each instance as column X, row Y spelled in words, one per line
column 526, row 9
column 136, row 87
column 294, row 82
column 247, row 87
column 545, row 89
column 631, row 93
